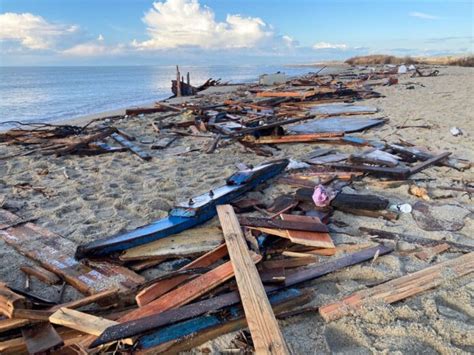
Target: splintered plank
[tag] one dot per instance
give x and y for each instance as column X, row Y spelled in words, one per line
column 429, row 162
column 187, row 292
column 82, row 322
column 41, row 338
column 296, row 138
column 266, row 333
column 159, row 288
column 402, row 287
column 52, row 252
column 119, row 138
column 10, row 301
column 188, row 243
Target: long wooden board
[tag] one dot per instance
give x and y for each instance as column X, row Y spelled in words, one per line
column 53, row 253
column 266, row 333
column 402, row 287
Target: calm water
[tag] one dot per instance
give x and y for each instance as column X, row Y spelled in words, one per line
column 33, row 94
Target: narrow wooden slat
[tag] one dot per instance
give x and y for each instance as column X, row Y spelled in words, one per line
column 308, row 225
column 159, row 288
column 186, row 293
column 266, row 333
column 401, row 287
column 428, row 163
column 10, row 301
column 119, row 138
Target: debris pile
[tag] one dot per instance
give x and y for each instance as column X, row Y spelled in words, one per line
column 249, row 270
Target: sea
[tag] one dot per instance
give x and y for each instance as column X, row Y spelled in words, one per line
column 48, row 94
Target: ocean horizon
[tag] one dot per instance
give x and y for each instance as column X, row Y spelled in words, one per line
column 59, row 93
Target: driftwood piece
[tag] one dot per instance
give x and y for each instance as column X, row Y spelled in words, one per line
column 41, row 274
column 309, row 225
column 402, row 287
column 10, row 301
column 266, row 333
column 122, row 140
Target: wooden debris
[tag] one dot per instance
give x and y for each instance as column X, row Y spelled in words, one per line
column 296, row 138
column 305, row 224
column 119, row 138
column 10, row 301
column 52, row 252
column 400, row 288
column 159, row 288
column 41, row 338
column 429, row 253
column 266, row 334
column 41, row 274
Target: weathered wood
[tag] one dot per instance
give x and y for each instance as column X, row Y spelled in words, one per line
column 385, row 214
column 159, row 288
column 41, row 338
column 266, row 334
column 398, row 173
column 10, row 324
column 119, row 138
column 41, row 274
column 10, row 301
column 52, row 251
column 313, row 239
column 429, row 162
column 188, row 243
column 429, row 253
column 143, row 324
column 295, row 138
column 402, row 287
column 289, row 262
column 300, row 225
column 82, row 322
column 186, row 293
column 188, row 334
column 363, row 202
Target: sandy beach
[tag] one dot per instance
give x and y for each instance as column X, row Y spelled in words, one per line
column 87, row 198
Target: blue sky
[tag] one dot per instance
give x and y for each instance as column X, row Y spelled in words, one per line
column 71, row 32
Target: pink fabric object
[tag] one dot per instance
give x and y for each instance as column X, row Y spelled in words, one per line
column 322, row 196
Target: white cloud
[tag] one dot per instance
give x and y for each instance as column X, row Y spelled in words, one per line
column 423, row 15
column 326, row 45
column 32, row 32
column 184, row 23
column 100, row 38
column 92, row 49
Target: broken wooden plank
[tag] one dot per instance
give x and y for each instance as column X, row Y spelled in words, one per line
column 385, row 214
column 398, row 172
column 313, row 239
column 41, row 338
column 83, row 322
column 309, row 225
column 10, row 324
column 159, row 288
column 295, row 138
column 99, row 297
column 363, row 202
column 163, row 142
column 119, row 138
column 186, row 293
column 401, row 288
column 41, row 274
column 188, row 334
column 429, row 162
column 289, row 262
column 266, row 333
column 429, row 253
column 52, row 251
column 10, row 301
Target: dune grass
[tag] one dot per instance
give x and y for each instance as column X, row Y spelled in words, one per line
column 467, row 61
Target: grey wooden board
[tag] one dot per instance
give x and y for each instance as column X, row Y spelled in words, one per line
column 341, row 108
column 331, row 158
column 336, row 124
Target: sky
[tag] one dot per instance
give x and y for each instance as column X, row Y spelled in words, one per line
column 195, row 32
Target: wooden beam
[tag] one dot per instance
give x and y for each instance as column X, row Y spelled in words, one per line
column 402, row 287
column 308, row 224
column 266, row 333
column 124, row 142
column 10, row 301
column 159, row 288
column 429, row 162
